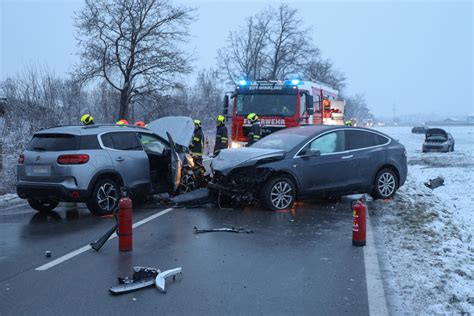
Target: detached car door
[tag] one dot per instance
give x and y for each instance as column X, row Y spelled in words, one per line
column 175, row 165
column 129, row 158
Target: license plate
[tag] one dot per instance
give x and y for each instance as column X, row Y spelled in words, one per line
column 39, row 171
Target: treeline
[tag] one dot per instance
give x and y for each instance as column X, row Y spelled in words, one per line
column 132, row 67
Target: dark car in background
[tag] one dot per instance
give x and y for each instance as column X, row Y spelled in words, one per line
column 311, row 161
column 438, row 140
column 419, row 129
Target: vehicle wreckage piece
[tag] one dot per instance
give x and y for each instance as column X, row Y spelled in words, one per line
column 160, row 280
column 434, row 183
column 142, row 277
column 193, row 198
column 223, row 229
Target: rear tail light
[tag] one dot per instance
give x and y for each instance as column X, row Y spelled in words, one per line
column 73, row 159
column 21, row 159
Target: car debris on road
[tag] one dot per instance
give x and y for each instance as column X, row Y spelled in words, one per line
column 144, row 277
column 223, row 229
column 434, row 183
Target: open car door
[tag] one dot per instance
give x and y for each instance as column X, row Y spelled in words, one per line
column 175, row 164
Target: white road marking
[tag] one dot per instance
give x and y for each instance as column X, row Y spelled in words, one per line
column 12, row 207
column 373, row 277
column 74, row 253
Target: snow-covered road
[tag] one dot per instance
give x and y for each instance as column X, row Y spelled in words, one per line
column 426, row 236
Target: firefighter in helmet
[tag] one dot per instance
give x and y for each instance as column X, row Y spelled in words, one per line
column 348, row 123
column 87, row 119
column 140, row 124
column 255, row 132
column 197, row 144
column 221, row 135
column 122, row 122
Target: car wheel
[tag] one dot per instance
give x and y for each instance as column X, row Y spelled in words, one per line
column 187, row 183
column 43, row 205
column 104, row 198
column 385, row 185
column 278, row 193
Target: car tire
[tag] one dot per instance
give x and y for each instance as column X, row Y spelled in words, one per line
column 385, row 184
column 104, row 197
column 278, row 193
column 43, row 205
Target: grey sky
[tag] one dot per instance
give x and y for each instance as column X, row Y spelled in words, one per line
column 417, row 55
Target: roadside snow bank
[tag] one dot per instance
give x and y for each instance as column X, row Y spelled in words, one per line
column 9, row 199
column 427, row 235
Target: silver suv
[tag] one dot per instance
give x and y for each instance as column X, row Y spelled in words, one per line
column 90, row 163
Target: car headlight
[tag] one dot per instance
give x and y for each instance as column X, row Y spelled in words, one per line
column 235, row 144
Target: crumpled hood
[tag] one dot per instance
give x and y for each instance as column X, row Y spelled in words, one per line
column 181, row 128
column 228, row 159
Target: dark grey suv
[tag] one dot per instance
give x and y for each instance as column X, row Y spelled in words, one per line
column 311, row 161
column 90, row 163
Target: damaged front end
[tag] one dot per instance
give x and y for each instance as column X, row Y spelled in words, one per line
column 240, row 173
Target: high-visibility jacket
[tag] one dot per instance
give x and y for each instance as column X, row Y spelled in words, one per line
column 221, row 138
column 255, row 133
column 197, row 145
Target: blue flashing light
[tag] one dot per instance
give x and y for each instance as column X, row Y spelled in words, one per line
column 295, row 81
column 244, row 82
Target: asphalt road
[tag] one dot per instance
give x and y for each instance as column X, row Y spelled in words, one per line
column 298, row 262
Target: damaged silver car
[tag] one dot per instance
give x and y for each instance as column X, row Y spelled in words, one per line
column 311, row 161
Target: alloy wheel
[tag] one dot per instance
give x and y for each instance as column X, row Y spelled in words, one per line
column 386, row 184
column 187, row 184
column 107, row 197
column 280, row 195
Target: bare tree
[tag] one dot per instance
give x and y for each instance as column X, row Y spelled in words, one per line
column 133, row 45
column 356, row 107
column 244, row 54
column 289, row 46
column 323, row 70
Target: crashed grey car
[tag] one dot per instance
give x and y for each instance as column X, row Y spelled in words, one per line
column 437, row 139
column 90, row 163
column 311, row 161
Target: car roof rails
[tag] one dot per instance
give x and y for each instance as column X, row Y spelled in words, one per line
column 112, row 125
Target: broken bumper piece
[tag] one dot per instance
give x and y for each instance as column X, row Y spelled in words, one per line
column 160, row 280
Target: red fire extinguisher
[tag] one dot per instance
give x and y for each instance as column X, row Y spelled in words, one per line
column 359, row 218
column 124, row 230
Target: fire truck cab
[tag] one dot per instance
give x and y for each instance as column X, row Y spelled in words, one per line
column 281, row 104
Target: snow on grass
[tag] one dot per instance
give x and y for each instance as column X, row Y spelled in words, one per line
column 427, row 235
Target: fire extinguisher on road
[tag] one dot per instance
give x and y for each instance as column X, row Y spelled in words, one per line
column 359, row 219
column 124, row 230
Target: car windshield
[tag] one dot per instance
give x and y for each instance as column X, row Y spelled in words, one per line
column 282, row 141
column 266, row 104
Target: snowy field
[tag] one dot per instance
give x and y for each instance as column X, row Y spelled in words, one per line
column 426, row 236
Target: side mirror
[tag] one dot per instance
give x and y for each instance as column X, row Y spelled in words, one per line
column 309, row 104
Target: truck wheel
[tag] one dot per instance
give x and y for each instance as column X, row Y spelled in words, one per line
column 104, row 197
column 278, row 193
column 385, row 184
column 43, row 205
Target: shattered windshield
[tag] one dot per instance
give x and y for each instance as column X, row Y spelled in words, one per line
column 281, row 141
column 266, row 104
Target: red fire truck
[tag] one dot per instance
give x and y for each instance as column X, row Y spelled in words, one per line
column 281, row 104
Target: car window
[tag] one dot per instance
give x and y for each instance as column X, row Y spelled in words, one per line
column 53, row 142
column 121, row 141
column 89, row 142
column 357, row 139
column 151, row 144
column 328, row 143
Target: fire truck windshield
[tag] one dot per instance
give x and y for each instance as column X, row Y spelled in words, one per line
column 266, row 104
